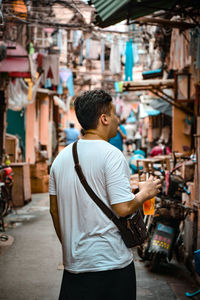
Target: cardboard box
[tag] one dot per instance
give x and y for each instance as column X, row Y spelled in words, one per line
column 40, row 185
column 11, row 147
column 39, row 169
column 21, row 192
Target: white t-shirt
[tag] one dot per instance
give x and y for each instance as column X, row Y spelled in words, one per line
column 90, row 241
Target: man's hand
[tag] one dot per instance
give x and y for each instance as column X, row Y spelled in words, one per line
column 150, row 188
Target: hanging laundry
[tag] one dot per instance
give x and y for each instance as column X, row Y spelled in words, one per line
column 81, row 53
column 70, row 85
column 119, row 86
column 60, row 89
column 116, row 86
column 77, row 35
column 127, row 107
column 51, row 61
column 115, row 57
column 129, row 61
column 122, row 45
column 19, row 93
column 68, row 100
column 50, row 73
column 64, row 74
column 92, row 49
column 87, row 48
column 102, row 56
column 31, row 49
column 135, row 53
column 48, row 83
column 66, row 79
column 60, row 103
column 118, row 102
column 33, row 66
column 40, row 60
column 59, row 39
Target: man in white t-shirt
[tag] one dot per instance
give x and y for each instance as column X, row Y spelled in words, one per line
column 97, row 264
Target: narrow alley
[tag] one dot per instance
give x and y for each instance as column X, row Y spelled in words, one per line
column 31, row 262
column 121, row 78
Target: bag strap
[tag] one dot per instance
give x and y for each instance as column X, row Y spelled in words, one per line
column 90, row 192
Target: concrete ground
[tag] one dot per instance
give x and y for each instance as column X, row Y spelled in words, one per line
column 31, row 261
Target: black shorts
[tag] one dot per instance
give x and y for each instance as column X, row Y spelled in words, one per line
column 115, row 284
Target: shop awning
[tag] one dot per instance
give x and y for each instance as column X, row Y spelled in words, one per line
column 15, row 64
column 16, row 60
column 146, row 110
column 162, row 106
column 112, row 12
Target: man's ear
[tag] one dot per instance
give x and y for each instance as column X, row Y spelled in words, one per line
column 104, row 119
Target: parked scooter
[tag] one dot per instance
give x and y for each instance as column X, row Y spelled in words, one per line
column 6, row 180
column 166, row 227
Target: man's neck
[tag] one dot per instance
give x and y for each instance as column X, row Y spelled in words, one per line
column 93, row 135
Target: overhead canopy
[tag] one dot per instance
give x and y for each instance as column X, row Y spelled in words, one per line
column 146, row 110
column 162, row 106
column 111, row 12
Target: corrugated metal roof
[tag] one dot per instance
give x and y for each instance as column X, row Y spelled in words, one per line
column 106, row 8
column 110, row 12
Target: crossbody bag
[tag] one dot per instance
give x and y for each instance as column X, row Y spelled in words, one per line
column 132, row 228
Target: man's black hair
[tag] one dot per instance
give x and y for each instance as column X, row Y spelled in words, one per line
column 90, row 105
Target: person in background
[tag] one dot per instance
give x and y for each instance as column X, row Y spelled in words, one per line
column 131, row 130
column 119, row 139
column 138, row 140
column 97, row 263
column 160, row 149
column 72, row 134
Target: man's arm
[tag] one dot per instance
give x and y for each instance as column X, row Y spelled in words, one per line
column 148, row 191
column 55, row 215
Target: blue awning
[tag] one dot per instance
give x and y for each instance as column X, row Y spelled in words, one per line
column 162, row 106
column 147, row 110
